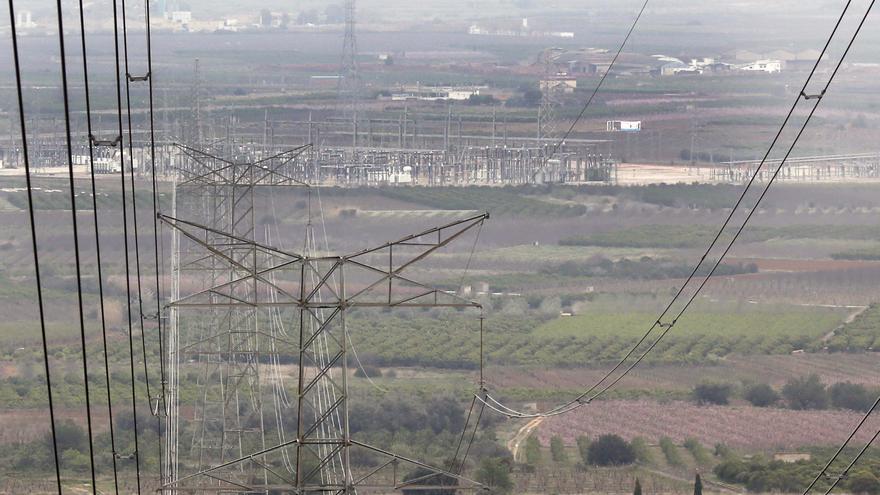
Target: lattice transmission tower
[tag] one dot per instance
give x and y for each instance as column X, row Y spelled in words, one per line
column 241, row 305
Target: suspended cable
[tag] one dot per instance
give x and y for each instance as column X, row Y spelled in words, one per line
column 134, row 213
column 840, row 449
column 76, row 253
column 598, row 388
column 100, row 274
column 159, row 319
column 137, row 461
column 30, row 196
column 600, row 83
column 473, row 436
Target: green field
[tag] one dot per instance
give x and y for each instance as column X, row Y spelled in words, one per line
column 697, row 324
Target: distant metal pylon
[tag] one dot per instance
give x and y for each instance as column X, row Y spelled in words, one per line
column 220, row 325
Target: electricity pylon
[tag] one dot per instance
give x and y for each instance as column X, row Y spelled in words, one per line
column 239, row 305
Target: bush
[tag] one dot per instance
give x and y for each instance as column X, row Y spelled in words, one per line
column 670, row 451
column 643, row 453
column 863, row 482
column 713, row 393
column 495, row 474
column 761, row 395
column 806, row 393
column 846, row 395
column 423, row 476
column 368, row 371
column 533, row 451
column 701, row 456
column 557, row 450
column 610, row 450
column 583, row 445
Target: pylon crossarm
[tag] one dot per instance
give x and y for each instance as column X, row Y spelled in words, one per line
column 475, row 220
column 190, row 150
column 437, row 471
column 393, row 275
column 233, row 483
column 298, row 150
column 204, row 472
column 214, row 290
column 185, row 349
column 176, row 222
column 374, row 471
column 278, row 475
column 207, row 178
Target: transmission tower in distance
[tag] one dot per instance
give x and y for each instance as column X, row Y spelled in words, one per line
column 240, row 304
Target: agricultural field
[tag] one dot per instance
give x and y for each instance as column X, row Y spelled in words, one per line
column 744, row 428
column 556, row 314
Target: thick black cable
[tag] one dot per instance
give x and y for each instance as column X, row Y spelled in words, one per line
column 852, row 463
column 600, row 83
column 843, row 446
column 137, row 460
column 668, row 326
column 162, row 377
column 770, row 182
column 464, row 431
column 134, row 215
column 82, row 26
column 76, row 253
column 473, row 436
column 30, row 196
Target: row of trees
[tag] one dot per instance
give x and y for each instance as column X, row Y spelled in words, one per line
column 798, row 393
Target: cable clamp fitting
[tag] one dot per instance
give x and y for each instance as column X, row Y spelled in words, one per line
column 112, row 143
column 142, row 78
column 813, row 97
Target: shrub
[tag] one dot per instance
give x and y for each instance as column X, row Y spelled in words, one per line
column 533, row 451
column 583, row 445
column 846, row 395
column 670, row 451
column 557, row 449
column 761, row 395
column 610, row 450
column 697, row 450
column 423, row 476
column 863, row 481
column 643, row 453
column 368, row 371
column 806, row 393
column 713, row 393
column 495, row 473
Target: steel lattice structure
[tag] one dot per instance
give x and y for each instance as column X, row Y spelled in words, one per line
column 240, row 304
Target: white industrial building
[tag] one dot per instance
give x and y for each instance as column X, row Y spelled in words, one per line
column 436, row 93
column 768, row 66
column 623, row 125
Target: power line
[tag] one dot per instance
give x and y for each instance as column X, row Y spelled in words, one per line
column 598, row 388
column 126, row 247
column 601, row 82
column 76, row 253
column 98, row 244
column 30, row 196
column 843, row 446
column 162, row 381
column 134, row 214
